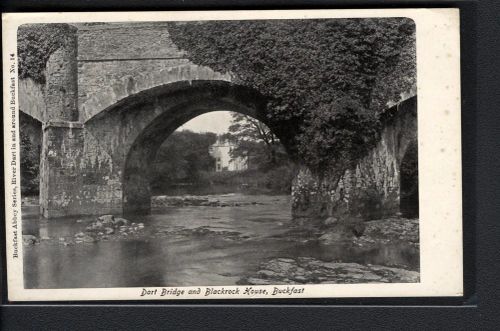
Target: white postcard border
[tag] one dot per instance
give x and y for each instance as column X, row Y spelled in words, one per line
column 439, row 141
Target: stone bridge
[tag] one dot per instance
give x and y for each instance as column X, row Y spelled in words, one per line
column 114, row 93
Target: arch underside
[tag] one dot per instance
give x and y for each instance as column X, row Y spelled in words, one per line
column 149, row 118
column 31, row 134
column 409, row 202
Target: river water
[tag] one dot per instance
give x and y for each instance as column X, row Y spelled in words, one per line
column 185, row 246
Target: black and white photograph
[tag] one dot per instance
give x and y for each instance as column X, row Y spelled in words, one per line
column 205, row 158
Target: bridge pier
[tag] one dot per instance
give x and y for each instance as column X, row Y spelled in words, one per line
column 370, row 190
column 63, row 140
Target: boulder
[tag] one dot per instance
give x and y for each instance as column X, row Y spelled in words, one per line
column 88, row 239
column 29, row 239
column 106, row 219
column 266, row 273
column 332, row 237
column 119, row 222
column 109, row 230
column 97, row 225
column 330, row 221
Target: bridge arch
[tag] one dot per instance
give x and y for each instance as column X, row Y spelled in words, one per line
column 121, row 89
column 148, row 118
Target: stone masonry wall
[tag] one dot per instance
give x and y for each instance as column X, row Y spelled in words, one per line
column 61, row 86
column 113, row 56
column 118, row 62
column 372, row 189
column 119, row 41
column 60, row 180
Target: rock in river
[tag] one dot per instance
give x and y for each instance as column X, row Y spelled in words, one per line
column 30, row 240
column 106, row 219
column 88, row 239
column 309, row 270
column 118, row 222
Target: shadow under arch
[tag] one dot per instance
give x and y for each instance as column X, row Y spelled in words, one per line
column 31, row 138
column 409, row 203
column 175, row 109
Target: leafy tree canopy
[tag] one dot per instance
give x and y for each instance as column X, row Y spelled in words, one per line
column 183, row 157
column 256, row 142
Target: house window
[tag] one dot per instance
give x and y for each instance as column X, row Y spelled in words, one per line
column 218, row 166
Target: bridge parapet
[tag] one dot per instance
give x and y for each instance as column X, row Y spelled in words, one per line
column 118, row 60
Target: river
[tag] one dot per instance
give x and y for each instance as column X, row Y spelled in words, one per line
column 195, row 245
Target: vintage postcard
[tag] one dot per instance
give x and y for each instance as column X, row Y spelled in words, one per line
column 232, row 154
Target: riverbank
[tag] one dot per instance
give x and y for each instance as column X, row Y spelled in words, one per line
column 389, row 230
column 306, row 270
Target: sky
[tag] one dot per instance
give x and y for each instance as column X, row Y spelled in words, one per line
column 216, row 121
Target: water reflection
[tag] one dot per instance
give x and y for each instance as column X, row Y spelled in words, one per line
column 219, row 258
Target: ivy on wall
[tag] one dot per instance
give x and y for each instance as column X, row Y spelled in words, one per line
column 35, row 44
column 326, row 80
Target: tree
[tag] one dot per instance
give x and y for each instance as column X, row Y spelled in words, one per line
column 255, row 141
column 311, row 70
column 30, row 166
column 183, row 157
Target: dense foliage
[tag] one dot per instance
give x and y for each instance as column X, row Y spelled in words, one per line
column 272, row 180
column 311, row 71
column 30, row 166
column 254, row 141
column 35, row 44
column 183, row 157
column 337, row 134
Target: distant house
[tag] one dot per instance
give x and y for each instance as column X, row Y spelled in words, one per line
column 221, row 151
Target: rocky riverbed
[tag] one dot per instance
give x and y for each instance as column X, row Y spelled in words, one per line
column 200, row 201
column 384, row 231
column 307, row 270
column 106, row 227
